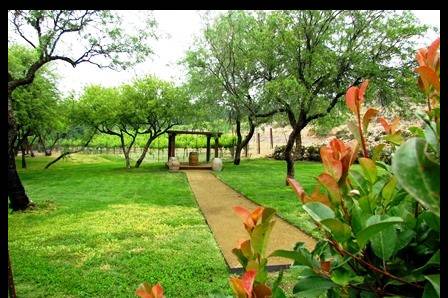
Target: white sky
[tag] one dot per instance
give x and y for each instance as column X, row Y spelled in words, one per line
column 181, row 26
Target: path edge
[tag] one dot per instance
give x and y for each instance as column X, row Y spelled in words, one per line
column 258, row 204
column 229, row 269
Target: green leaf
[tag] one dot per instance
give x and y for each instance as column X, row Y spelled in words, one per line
column 260, row 236
column 434, row 261
column 384, row 243
column 389, row 189
column 383, row 165
column 376, row 151
column 416, row 131
column 371, row 230
column 429, row 291
column 331, row 185
column 268, row 213
column 276, row 290
column 353, row 127
column 369, row 168
column 431, row 137
column 340, row 231
column 312, row 286
column 434, row 279
column 343, row 277
column 417, row 174
column 360, row 181
column 278, row 293
column 431, row 220
column 404, row 238
column 318, row 211
column 358, row 218
column 300, row 257
column 395, row 138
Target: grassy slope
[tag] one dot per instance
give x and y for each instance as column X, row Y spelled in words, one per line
column 263, row 181
column 100, row 230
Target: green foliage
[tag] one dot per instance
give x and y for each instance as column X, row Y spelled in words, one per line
column 383, row 236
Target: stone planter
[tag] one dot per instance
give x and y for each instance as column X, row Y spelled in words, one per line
column 217, row 164
column 174, row 166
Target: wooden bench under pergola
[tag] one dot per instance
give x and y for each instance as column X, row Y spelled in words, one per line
column 172, row 146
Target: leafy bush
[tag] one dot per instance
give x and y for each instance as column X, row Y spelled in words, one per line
column 310, row 153
column 382, row 232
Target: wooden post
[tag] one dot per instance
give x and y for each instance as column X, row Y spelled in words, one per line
column 272, row 139
column 208, row 148
column 216, row 146
column 173, row 146
column 258, row 143
column 170, row 141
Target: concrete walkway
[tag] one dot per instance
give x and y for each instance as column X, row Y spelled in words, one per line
column 216, row 201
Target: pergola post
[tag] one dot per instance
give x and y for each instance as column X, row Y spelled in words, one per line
column 171, row 145
column 216, row 146
column 208, row 148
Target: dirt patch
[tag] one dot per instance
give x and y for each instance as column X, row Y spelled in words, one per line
column 216, row 201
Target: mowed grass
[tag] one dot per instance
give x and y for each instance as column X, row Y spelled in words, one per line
column 263, row 181
column 100, row 230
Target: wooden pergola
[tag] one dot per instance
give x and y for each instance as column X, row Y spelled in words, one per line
column 172, row 141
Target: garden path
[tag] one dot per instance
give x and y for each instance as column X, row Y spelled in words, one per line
column 216, row 201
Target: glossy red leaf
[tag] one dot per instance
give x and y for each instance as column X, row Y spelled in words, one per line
column 157, row 291
column 362, row 91
column 332, row 165
column 238, row 287
column 421, row 56
column 429, row 77
column 368, row 116
column 297, row 188
column 262, row 291
column 241, row 211
column 146, row 291
column 385, row 124
column 256, row 214
column 431, row 56
column 325, row 266
column 394, row 125
column 351, row 99
column 331, row 186
column 248, row 279
column 317, row 196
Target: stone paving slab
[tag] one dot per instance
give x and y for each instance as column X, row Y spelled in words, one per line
column 216, row 201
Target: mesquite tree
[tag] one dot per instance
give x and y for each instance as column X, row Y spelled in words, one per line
column 225, row 63
column 107, row 111
column 158, row 106
column 35, row 105
column 318, row 54
column 75, row 37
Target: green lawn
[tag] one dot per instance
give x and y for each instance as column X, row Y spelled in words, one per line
column 263, row 181
column 100, row 230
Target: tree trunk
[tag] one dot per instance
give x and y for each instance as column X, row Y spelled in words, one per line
column 69, row 152
column 125, row 152
column 290, row 171
column 298, row 150
column 240, row 144
column 23, row 157
column 145, row 150
column 16, row 193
